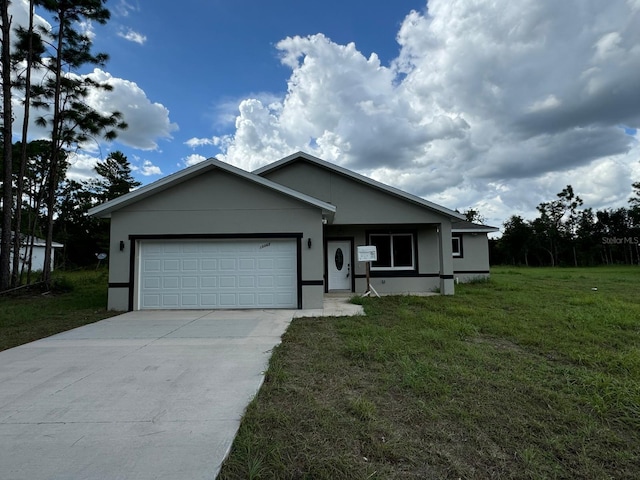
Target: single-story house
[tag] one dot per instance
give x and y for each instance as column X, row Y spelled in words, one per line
column 216, row 236
column 470, row 249
column 37, row 259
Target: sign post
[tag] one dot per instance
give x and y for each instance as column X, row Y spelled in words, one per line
column 368, row 254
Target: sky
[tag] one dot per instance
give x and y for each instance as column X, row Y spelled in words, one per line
column 493, row 105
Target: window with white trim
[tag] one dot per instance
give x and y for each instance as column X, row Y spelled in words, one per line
column 456, row 245
column 395, row 251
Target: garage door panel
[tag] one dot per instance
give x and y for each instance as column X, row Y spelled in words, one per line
column 209, row 300
column 227, row 282
column 283, row 263
column 218, row 274
column 247, row 264
column 189, row 282
column 171, row 248
column 208, row 282
column 154, row 249
column 190, row 249
column 170, row 283
column 152, row 282
column 151, row 301
column 171, row 265
column 190, row 265
column 247, row 281
column 267, row 299
column 266, row 264
column 228, row 264
column 284, row 281
column 189, row 300
column 208, row 265
column 228, row 300
column 208, row 248
column 246, row 300
column 152, row 266
column 170, row 300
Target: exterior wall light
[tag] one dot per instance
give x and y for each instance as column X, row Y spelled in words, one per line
column 309, row 242
column 121, row 245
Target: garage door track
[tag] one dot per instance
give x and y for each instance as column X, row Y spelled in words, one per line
column 144, row 395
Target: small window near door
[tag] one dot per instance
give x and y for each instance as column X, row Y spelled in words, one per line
column 395, row 251
column 456, row 245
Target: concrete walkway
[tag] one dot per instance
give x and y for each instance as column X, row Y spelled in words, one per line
column 144, row 395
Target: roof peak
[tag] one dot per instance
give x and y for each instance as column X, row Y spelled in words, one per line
column 357, row 177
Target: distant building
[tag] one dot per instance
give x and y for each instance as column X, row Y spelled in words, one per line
column 37, row 260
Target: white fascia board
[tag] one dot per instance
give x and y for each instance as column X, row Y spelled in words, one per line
column 475, row 230
column 471, row 227
column 104, row 210
column 361, row 178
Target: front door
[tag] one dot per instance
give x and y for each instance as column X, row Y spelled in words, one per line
column 339, row 266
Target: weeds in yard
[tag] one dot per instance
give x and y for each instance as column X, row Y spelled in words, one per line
column 77, row 298
column 531, row 375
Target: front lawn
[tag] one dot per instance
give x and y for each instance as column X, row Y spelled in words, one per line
column 532, row 375
column 27, row 315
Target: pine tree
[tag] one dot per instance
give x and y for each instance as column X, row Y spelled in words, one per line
column 7, row 149
column 71, row 120
column 28, row 52
column 116, row 179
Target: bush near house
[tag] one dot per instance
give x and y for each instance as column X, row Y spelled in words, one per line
column 534, row 374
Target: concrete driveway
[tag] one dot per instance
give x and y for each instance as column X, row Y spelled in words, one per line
column 144, row 395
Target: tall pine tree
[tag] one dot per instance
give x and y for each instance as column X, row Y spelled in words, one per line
column 71, row 121
column 7, row 147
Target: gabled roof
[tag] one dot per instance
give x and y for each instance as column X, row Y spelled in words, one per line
column 469, row 227
column 358, row 178
column 104, row 210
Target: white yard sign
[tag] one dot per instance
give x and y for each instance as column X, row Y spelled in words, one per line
column 367, row 253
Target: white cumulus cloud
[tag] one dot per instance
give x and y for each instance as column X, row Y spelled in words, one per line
column 489, row 103
column 199, row 142
column 193, row 159
column 148, row 169
column 148, row 121
column 133, row 36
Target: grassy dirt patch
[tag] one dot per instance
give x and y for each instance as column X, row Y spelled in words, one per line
column 531, row 375
column 30, row 314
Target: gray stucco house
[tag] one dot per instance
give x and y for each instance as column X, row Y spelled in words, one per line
column 215, row 236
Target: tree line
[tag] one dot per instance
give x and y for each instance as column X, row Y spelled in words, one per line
column 40, row 70
column 564, row 233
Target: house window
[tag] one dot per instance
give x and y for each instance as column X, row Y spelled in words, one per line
column 395, row 251
column 456, row 245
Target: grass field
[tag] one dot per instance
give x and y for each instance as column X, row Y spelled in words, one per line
column 81, row 298
column 531, row 375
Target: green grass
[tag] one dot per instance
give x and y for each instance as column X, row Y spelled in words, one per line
column 28, row 315
column 532, row 375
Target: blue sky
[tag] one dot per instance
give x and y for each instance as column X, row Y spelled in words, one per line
column 201, row 60
column 492, row 104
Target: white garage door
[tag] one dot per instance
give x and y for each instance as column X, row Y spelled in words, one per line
column 185, row 274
